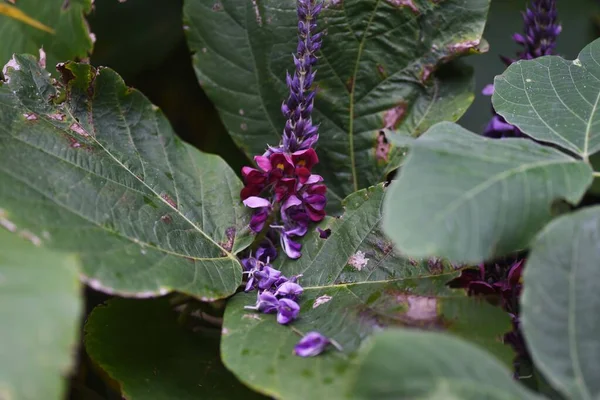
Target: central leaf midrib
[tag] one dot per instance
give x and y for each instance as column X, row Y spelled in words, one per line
column 352, row 91
column 349, row 284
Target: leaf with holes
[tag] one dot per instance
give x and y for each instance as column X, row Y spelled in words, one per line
column 109, row 180
column 403, row 364
column 157, row 357
column 355, row 283
column 469, row 199
column 554, row 100
column 65, row 34
column 376, row 70
column 561, row 302
column 40, row 308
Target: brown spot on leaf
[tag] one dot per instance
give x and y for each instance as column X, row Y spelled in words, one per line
column 464, row 47
column 57, row 116
column 257, row 12
column 394, row 116
column 381, row 71
column 333, row 3
column 426, row 72
column 75, row 127
column 166, row 219
column 73, row 142
column 169, row 200
column 66, row 4
column 217, row 6
column 350, row 84
column 405, row 3
column 419, row 308
column 228, row 244
column 382, row 147
column 65, row 73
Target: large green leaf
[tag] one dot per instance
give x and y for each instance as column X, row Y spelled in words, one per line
column 561, row 303
column 404, row 364
column 554, row 100
column 141, row 345
column 39, row 309
column 375, row 71
column 107, row 178
column 469, row 198
column 70, row 39
column 355, row 283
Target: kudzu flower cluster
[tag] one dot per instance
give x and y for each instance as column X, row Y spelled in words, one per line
column 541, row 30
column 284, row 193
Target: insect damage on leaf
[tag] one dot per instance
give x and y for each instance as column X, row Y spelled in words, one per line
column 405, row 3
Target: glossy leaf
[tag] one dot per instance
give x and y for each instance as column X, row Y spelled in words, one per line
column 376, row 70
column 40, row 306
column 109, row 179
column 406, row 364
column 155, row 357
column 469, row 199
column 67, row 36
column 561, row 302
column 554, row 100
column 355, row 283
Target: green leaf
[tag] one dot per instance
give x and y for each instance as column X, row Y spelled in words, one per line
column 109, row 180
column 69, row 38
column 554, row 100
column 376, row 70
column 156, row 358
column 469, row 199
column 561, row 302
column 355, row 283
column 407, row 364
column 40, row 306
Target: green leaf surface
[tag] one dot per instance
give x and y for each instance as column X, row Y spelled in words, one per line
column 140, row 344
column 108, row 179
column 40, row 306
column 405, row 364
column 375, row 71
column 71, row 38
column 561, row 303
column 554, row 100
column 469, row 199
column 355, row 283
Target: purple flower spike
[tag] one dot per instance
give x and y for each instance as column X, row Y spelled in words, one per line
column 541, row 30
column 313, row 344
column 289, row 290
column 288, row 311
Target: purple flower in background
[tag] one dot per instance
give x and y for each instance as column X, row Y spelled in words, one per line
column 313, row 344
column 541, row 30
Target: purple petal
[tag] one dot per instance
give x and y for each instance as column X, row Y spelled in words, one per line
column 488, row 90
column 256, row 202
column 312, row 344
column 291, row 248
column 288, row 311
column 289, row 289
